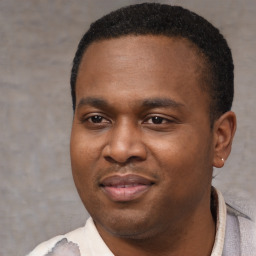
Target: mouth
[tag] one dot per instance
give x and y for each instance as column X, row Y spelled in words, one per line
column 125, row 188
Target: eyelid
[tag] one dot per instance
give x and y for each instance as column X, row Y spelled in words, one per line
column 87, row 116
column 168, row 119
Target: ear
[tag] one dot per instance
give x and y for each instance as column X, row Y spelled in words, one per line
column 224, row 131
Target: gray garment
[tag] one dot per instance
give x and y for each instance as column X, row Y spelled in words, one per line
column 240, row 237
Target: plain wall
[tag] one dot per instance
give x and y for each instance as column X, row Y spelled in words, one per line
column 38, row 41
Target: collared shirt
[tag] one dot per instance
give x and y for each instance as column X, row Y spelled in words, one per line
column 86, row 241
column 220, row 223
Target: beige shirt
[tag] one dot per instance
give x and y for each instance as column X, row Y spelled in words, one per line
column 86, row 241
column 220, row 225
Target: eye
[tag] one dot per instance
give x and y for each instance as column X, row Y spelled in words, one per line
column 95, row 119
column 157, row 120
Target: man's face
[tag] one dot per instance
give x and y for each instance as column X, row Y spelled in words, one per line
column 141, row 143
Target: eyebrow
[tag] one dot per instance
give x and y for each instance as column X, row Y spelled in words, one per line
column 161, row 102
column 147, row 103
column 91, row 101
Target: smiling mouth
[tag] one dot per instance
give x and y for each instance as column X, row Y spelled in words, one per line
column 125, row 188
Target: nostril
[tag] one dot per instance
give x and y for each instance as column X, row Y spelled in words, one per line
column 110, row 159
column 135, row 158
column 129, row 160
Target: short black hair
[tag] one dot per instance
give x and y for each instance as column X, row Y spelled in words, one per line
column 170, row 21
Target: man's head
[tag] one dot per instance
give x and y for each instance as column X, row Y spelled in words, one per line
column 170, row 21
column 143, row 144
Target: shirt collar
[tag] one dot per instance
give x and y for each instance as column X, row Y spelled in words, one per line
column 220, row 223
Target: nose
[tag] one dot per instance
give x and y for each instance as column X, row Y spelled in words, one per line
column 125, row 144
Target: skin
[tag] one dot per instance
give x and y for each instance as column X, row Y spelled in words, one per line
column 140, row 110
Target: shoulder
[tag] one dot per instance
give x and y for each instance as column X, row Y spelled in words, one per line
column 241, row 206
column 60, row 245
column 80, row 242
column 241, row 217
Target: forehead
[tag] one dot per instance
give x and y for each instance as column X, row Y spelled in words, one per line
column 135, row 65
column 144, row 47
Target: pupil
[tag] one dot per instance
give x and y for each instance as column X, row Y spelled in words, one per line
column 157, row 120
column 96, row 119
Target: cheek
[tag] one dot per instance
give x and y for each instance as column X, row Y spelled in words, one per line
column 81, row 154
column 184, row 170
column 83, row 148
column 86, row 155
column 82, row 166
column 183, row 155
column 176, row 147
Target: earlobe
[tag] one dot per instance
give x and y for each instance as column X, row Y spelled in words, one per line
column 224, row 131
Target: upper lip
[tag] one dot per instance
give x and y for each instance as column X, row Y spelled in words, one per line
column 128, row 179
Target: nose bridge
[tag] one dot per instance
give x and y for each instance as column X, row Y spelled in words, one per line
column 125, row 142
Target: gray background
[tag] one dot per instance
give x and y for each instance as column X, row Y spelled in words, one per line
column 38, row 40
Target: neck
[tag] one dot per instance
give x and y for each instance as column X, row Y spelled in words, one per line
column 193, row 236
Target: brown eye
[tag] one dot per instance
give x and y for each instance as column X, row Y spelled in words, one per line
column 96, row 119
column 157, row 120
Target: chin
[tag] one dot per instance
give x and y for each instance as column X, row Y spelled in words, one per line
column 129, row 227
column 130, row 233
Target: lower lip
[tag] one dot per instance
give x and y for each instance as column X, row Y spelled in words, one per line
column 125, row 194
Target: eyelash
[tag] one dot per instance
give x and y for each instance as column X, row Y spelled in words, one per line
column 159, row 120
column 89, row 119
column 98, row 119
